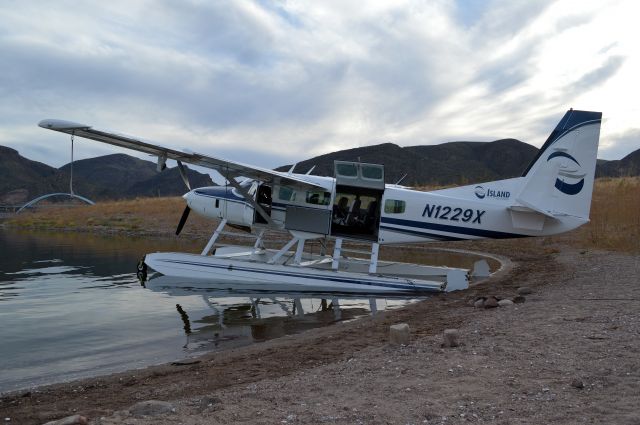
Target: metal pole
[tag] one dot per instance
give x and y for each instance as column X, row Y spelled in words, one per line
column 71, row 176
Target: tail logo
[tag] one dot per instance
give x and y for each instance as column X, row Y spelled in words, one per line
column 480, row 192
column 575, row 181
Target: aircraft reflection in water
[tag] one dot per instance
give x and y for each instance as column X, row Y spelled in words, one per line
column 240, row 317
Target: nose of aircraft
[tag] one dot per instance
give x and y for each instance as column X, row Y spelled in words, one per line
column 188, row 197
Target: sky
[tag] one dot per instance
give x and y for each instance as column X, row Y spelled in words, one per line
column 275, row 82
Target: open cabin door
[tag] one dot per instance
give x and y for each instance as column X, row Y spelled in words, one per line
column 264, row 199
column 356, row 205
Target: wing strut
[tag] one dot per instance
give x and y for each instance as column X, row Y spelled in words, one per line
column 233, row 182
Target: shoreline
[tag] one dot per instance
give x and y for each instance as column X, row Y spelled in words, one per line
column 339, row 374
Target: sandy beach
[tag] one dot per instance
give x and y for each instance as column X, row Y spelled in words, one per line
column 568, row 354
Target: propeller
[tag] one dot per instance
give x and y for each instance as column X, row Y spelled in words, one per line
column 183, row 219
column 183, row 174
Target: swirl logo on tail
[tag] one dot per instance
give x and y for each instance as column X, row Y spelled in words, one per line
column 562, row 185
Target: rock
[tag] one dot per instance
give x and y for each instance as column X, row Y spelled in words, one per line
column 524, row 290
column 519, row 299
column 577, row 383
column 151, row 408
column 491, row 302
column 479, row 303
column 185, row 362
column 505, row 303
column 450, row 338
column 399, row 334
column 70, row 420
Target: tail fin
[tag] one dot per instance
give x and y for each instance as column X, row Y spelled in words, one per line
column 559, row 181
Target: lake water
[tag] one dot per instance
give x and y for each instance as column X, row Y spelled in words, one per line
column 72, row 307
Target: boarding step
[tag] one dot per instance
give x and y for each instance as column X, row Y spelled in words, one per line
column 355, row 251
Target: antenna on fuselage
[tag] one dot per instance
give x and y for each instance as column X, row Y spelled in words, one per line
column 310, row 170
column 401, row 178
column 291, row 169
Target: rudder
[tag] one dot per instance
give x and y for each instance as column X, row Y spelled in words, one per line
column 559, row 181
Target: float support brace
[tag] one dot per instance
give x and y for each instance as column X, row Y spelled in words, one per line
column 282, row 251
column 373, row 265
column 214, row 237
column 336, row 254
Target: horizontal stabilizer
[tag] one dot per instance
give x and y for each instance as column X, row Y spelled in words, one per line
column 527, row 218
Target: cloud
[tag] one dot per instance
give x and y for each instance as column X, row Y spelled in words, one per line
column 265, row 80
column 599, row 75
column 617, row 146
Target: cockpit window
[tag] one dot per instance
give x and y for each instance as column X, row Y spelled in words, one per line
column 286, row 194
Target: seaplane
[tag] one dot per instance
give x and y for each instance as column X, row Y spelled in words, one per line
column 552, row 196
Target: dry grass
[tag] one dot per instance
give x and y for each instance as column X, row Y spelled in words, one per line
column 615, row 217
column 143, row 216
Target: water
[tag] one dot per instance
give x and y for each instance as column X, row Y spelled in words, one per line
column 72, row 307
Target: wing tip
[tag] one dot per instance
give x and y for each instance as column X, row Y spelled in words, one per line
column 61, row 125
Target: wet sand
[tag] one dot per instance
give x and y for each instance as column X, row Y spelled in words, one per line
column 519, row 364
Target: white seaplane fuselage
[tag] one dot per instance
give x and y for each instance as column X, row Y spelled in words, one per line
column 441, row 215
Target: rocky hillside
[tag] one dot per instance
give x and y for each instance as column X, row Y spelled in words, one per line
column 121, row 176
column 115, row 176
column 453, row 163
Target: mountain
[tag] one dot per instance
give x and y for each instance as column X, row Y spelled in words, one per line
column 453, row 163
column 20, row 177
column 122, row 176
column 444, row 164
column 106, row 177
column 625, row 167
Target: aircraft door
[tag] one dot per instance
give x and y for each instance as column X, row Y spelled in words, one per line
column 264, row 199
column 356, row 205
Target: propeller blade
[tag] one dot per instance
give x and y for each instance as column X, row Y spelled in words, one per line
column 183, row 219
column 183, row 174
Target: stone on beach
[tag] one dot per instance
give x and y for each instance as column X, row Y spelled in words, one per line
column 479, row 303
column 70, row 420
column 151, row 408
column 519, row 299
column 399, row 334
column 450, row 338
column 577, row 383
column 524, row 290
column 491, row 302
column 505, row 303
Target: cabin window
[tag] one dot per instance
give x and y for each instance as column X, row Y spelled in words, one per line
column 373, row 173
column 217, row 203
column 286, row 194
column 393, row 206
column 347, row 170
column 318, row 198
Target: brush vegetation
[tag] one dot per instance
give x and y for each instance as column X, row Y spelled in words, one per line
column 615, row 216
column 142, row 216
column 615, row 220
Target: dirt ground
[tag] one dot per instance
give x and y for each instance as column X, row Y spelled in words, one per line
column 569, row 354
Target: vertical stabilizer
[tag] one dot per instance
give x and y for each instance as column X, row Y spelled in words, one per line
column 559, row 181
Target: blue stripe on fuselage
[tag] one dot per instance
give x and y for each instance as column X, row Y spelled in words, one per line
column 466, row 231
column 220, row 193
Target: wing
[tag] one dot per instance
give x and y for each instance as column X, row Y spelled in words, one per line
column 229, row 169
